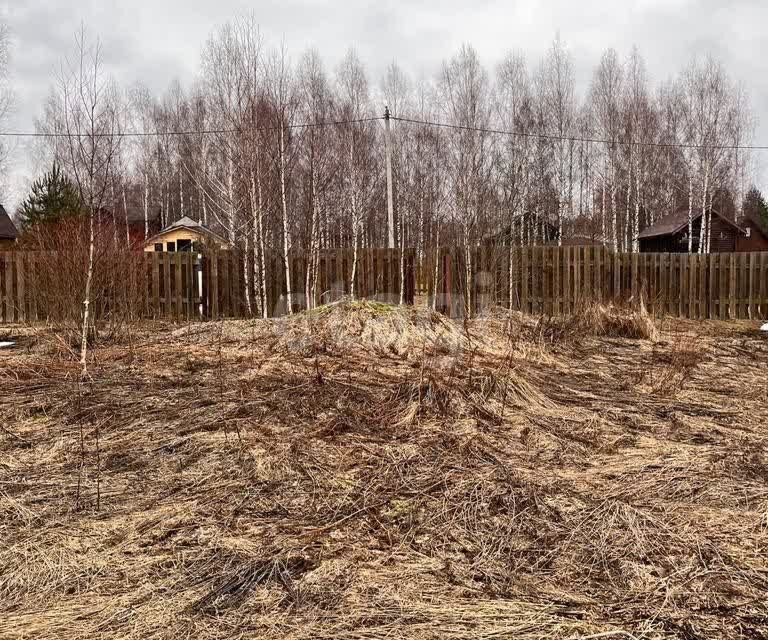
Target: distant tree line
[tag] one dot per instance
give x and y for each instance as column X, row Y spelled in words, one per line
column 247, row 149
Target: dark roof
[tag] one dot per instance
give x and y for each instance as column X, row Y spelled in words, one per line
column 187, row 223
column 675, row 222
column 7, row 228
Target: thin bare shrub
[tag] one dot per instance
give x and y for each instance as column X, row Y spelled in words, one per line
column 60, row 268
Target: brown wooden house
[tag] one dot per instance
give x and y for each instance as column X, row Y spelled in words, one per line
column 670, row 234
column 8, row 232
column 755, row 233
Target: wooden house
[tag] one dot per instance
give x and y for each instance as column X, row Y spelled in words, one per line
column 755, row 233
column 670, row 234
column 8, row 232
column 184, row 235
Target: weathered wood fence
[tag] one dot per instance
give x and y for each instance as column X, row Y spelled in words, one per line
column 555, row 280
column 185, row 285
column 538, row 280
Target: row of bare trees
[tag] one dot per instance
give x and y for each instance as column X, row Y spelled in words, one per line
column 6, row 96
column 278, row 153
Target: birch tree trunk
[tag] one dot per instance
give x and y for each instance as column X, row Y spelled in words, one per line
column 262, row 248
column 114, row 217
column 636, row 227
column 355, row 238
column 125, row 214
column 602, row 211
column 705, row 232
column 690, row 214
column 286, row 237
column 402, row 255
column 181, row 195
column 146, row 206
column 615, row 240
column 246, row 273
column 310, row 270
column 437, row 268
column 627, row 216
column 468, row 274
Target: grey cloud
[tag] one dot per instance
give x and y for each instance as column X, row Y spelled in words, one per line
column 154, row 42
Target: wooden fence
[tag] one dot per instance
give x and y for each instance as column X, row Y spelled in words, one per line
column 555, row 280
column 184, row 285
column 544, row 280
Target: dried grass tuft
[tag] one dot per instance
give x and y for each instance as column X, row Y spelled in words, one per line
column 594, row 319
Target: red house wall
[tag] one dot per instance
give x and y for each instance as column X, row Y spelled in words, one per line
column 757, row 240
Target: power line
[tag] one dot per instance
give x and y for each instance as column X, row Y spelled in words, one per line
column 556, row 137
column 430, row 123
column 189, row 132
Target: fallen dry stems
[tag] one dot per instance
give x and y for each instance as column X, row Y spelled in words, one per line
column 361, row 472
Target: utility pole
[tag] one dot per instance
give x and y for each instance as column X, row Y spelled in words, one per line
column 390, row 205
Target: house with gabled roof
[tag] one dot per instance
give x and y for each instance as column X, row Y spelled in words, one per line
column 185, row 234
column 8, row 231
column 670, row 234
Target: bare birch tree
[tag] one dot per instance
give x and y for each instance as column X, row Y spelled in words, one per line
column 88, row 103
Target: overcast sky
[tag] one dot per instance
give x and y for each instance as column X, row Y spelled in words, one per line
column 155, row 41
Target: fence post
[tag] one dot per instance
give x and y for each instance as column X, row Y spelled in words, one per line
column 21, row 297
column 764, row 285
column 214, row 285
column 9, row 300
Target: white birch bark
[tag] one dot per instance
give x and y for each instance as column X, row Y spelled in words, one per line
column 614, row 221
column 690, row 214
column 286, row 236
column 602, row 212
column 146, row 206
column 87, row 300
column 705, row 218
column 636, row 227
column 125, row 214
column 181, row 196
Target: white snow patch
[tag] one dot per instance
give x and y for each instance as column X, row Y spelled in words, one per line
column 6, row 344
column 764, row 327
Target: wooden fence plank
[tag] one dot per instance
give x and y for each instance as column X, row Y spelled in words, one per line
column 566, row 279
column 732, row 314
column 524, row 279
column 664, row 285
column 577, row 291
column 713, row 284
column 9, row 298
column 177, row 284
column 21, row 299
column 764, row 285
column 214, row 288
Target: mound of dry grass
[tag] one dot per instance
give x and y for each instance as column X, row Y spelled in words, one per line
column 600, row 320
column 346, row 325
column 229, row 480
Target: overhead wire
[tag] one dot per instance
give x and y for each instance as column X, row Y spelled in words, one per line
column 430, row 123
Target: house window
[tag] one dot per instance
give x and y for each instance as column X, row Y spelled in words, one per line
column 184, row 245
column 170, row 246
column 158, row 246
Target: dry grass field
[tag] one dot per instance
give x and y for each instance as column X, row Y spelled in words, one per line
column 362, row 471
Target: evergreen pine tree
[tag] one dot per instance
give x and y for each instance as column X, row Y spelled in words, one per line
column 52, row 198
